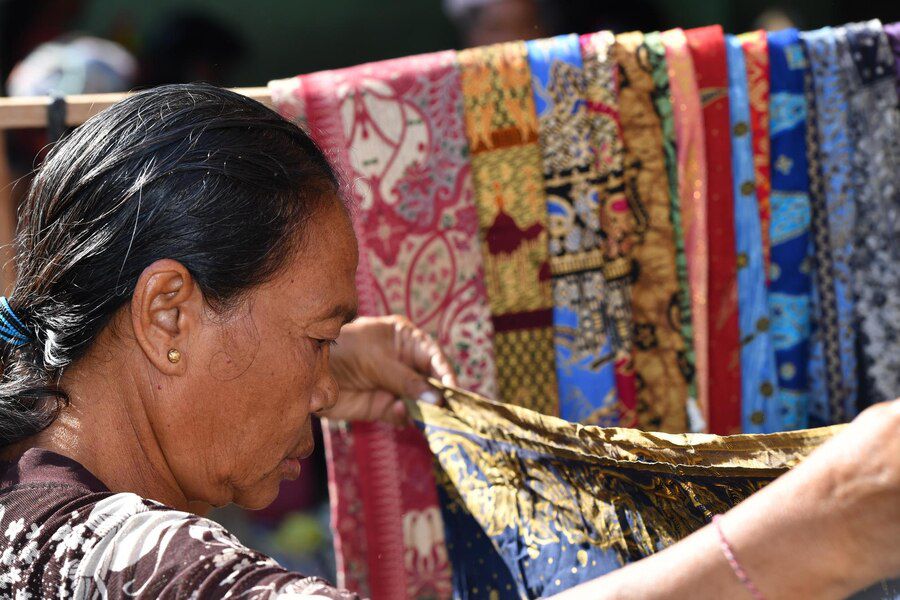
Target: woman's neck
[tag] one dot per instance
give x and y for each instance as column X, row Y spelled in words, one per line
column 105, row 428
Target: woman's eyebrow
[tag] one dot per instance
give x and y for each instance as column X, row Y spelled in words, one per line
column 348, row 313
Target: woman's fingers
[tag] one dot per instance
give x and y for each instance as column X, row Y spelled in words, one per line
column 423, row 353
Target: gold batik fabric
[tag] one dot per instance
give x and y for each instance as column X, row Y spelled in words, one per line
column 661, row 359
column 502, row 129
column 564, row 503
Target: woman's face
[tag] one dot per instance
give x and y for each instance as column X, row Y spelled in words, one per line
column 254, row 376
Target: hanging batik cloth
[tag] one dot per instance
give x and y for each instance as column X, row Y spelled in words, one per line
column 502, row 129
column 758, row 381
column 756, row 57
column 585, row 364
column 834, row 216
column 395, row 132
column 660, row 354
column 707, row 45
column 691, row 150
column 875, row 132
column 790, row 284
column 662, row 101
column 618, row 221
column 565, row 503
column 824, row 353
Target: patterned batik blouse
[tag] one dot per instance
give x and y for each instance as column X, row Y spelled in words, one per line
column 63, row 534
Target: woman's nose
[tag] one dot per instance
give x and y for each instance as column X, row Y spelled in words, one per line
column 327, row 394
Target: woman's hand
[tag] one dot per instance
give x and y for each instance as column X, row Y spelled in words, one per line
column 826, row 529
column 377, row 361
column 858, row 472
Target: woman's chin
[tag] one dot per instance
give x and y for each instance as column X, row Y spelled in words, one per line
column 262, row 494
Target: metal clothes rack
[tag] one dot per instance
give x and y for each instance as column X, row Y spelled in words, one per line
column 29, row 112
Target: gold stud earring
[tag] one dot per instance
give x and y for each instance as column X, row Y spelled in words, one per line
column 174, row 356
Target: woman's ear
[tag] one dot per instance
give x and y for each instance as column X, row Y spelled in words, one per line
column 166, row 308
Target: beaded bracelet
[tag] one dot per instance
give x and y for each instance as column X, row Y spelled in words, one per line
column 735, row 565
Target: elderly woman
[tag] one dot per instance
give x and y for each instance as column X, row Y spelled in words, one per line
column 185, row 306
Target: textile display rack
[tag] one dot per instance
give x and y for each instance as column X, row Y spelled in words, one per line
column 684, row 232
column 33, row 112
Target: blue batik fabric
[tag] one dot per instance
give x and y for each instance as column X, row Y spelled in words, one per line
column 585, row 362
column 874, row 120
column 564, row 503
column 759, row 411
column 834, row 154
column 791, row 285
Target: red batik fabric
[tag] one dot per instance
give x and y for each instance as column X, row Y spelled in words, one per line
column 756, row 57
column 395, row 131
column 707, row 45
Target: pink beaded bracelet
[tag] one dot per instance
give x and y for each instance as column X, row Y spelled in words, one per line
column 735, row 565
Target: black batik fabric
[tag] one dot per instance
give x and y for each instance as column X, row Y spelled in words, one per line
column 875, row 133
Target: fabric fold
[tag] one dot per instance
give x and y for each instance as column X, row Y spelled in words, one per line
column 565, row 503
column 585, row 362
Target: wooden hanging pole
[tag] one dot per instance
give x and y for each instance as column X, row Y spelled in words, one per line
column 7, row 222
column 31, row 111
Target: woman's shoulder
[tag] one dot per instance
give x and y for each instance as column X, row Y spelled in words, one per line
column 60, row 538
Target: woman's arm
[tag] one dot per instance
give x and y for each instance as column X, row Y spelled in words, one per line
column 826, row 529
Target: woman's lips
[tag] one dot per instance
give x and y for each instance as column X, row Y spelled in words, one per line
column 290, row 468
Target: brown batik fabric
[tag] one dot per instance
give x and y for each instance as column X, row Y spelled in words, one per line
column 660, row 352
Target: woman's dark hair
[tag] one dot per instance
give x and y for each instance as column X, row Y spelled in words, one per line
column 193, row 173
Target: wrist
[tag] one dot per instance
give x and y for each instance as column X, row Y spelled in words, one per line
column 794, row 539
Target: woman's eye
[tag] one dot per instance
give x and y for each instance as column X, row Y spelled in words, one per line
column 322, row 344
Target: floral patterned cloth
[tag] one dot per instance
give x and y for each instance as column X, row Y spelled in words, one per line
column 395, row 132
column 875, row 133
column 63, row 534
column 585, row 363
